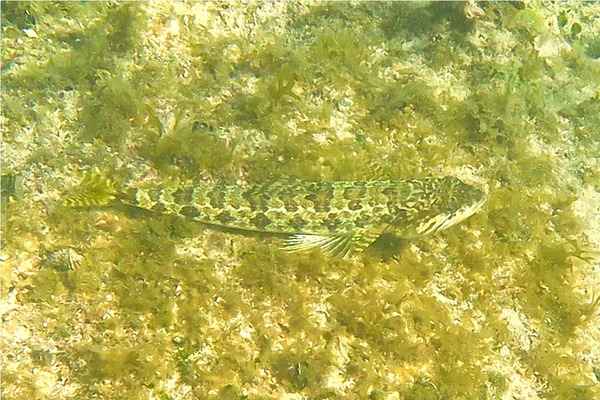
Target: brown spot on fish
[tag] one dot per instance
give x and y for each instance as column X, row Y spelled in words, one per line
column 189, row 212
column 225, row 217
column 354, row 205
column 261, row 221
column 183, row 196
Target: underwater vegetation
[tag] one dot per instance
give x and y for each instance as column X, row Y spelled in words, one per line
column 120, row 303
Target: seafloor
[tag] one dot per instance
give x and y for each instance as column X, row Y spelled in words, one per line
column 99, row 303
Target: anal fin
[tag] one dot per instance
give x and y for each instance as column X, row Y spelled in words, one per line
column 333, row 246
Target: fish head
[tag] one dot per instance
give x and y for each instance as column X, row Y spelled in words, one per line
column 437, row 204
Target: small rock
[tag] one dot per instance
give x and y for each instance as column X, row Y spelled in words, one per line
column 31, row 34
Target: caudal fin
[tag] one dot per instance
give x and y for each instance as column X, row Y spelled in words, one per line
column 94, row 191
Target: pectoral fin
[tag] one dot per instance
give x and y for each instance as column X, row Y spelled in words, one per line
column 333, row 246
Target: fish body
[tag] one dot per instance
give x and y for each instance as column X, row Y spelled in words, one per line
column 340, row 217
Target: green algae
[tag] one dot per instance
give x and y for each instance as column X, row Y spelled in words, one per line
column 158, row 306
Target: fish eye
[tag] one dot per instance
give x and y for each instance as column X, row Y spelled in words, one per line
column 450, row 208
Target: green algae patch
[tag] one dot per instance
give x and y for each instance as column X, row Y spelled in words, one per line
column 114, row 302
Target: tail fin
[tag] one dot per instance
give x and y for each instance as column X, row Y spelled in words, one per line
column 94, row 191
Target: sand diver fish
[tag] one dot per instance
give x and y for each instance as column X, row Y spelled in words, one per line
column 341, row 218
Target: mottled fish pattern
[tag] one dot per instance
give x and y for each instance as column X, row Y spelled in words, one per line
column 341, row 218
